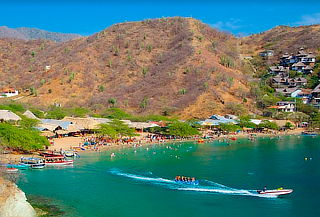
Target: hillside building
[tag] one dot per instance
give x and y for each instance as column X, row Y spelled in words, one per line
column 284, row 82
column 8, row 93
column 284, row 106
column 266, row 53
column 301, row 62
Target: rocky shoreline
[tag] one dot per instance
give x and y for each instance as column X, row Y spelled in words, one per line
column 13, row 201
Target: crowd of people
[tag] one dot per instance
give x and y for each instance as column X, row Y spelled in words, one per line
column 184, row 179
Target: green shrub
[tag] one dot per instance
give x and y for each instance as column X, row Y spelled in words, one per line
column 21, row 139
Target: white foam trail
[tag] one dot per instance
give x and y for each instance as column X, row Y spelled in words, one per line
column 230, row 192
column 143, row 178
column 212, row 188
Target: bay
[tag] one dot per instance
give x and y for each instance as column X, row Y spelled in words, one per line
column 138, row 182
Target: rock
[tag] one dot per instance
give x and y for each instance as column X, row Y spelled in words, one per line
column 13, row 201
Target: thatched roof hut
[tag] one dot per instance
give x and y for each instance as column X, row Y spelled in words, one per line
column 29, row 114
column 48, row 127
column 6, row 115
column 87, row 123
column 142, row 125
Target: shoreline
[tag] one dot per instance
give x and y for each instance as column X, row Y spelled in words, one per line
column 64, row 143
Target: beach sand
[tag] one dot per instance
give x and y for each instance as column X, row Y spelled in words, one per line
column 67, row 143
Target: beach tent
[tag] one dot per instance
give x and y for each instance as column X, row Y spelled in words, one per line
column 6, row 115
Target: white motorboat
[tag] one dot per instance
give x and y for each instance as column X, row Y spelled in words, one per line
column 275, row 192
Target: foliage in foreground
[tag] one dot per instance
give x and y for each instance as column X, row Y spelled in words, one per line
column 21, row 139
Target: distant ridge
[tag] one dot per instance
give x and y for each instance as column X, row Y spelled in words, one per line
column 34, row 33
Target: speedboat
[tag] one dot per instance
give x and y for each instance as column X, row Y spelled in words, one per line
column 275, row 192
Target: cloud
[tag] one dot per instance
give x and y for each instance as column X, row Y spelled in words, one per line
column 309, row 19
column 232, row 24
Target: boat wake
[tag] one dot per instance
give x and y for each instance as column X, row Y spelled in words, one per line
column 205, row 186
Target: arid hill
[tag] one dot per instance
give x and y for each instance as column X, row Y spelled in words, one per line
column 283, row 39
column 169, row 65
column 34, row 33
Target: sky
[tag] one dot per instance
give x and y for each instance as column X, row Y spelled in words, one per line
column 86, row 17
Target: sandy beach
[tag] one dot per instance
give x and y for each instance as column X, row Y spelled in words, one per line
column 71, row 143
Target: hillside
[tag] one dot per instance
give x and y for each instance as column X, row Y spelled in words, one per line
column 283, row 39
column 169, row 65
column 34, row 33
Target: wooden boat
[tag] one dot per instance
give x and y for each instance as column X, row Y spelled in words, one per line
column 11, row 170
column 57, row 160
column 34, row 163
column 18, row 166
column 309, row 133
column 73, row 154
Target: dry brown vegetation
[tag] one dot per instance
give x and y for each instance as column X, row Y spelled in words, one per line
column 283, row 39
column 177, row 65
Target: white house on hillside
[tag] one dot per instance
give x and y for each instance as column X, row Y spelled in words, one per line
column 8, row 93
column 285, row 106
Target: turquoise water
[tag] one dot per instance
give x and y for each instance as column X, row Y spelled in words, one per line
column 137, row 183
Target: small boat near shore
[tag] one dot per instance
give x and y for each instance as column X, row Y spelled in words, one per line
column 18, row 166
column 57, row 160
column 275, row 192
column 11, row 170
column 309, row 133
column 34, row 163
column 71, row 154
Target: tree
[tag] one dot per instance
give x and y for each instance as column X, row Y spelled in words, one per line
column 56, row 113
column 13, row 107
column 107, row 130
column 280, row 115
column 37, row 112
column 115, row 113
column 181, row 129
column 33, row 91
column 269, row 125
column 288, row 125
column 245, row 122
column 144, row 103
column 112, row 101
column 235, row 108
column 28, row 123
column 21, row 139
column 298, row 117
column 306, row 108
column 121, row 128
column 101, row 88
column 78, row 112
